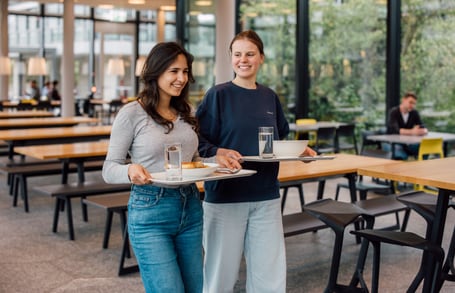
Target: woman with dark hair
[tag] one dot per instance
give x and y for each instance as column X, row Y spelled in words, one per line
column 164, row 222
column 243, row 215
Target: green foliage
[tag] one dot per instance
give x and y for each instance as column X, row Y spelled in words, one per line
column 348, row 55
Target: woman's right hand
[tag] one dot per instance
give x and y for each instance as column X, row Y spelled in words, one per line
column 228, row 158
column 138, row 175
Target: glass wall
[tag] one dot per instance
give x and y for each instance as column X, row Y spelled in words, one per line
column 275, row 23
column 32, row 34
column 201, row 43
column 428, row 59
column 347, row 61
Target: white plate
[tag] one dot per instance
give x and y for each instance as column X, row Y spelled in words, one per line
column 278, row 159
column 160, row 178
column 200, row 172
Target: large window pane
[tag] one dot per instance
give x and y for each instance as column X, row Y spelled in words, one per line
column 201, row 31
column 275, row 23
column 428, row 59
column 347, row 61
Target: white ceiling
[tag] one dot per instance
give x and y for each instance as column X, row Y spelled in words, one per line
column 149, row 4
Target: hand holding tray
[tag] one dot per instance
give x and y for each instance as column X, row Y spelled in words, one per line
column 160, row 178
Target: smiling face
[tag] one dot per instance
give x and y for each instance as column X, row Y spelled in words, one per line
column 172, row 81
column 246, row 59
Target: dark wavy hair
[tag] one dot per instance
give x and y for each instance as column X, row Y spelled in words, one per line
column 159, row 59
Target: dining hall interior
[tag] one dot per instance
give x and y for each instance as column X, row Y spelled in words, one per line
column 359, row 218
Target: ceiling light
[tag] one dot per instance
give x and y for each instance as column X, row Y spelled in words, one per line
column 136, row 2
column 167, row 8
column 203, row 3
column 116, row 66
column 36, row 66
column 106, row 6
column 5, row 66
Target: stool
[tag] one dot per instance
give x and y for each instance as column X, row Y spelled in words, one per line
column 285, row 186
column 425, row 204
column 337, row 215
column 392, row 237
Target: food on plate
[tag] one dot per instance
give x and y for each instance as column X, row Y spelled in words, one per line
column 193, row 165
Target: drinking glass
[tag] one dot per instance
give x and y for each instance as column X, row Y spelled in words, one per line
column 173, row 161
column 266, row 142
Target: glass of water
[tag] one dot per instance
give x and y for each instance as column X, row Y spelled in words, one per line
column 173, row 161
column 266, row 142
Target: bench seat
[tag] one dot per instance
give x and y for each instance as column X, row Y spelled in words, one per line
column 112, row 203
column 17, row 175
column 63, row 194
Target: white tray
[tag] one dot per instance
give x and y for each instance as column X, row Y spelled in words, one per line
column 160, row 178
column 279, row 159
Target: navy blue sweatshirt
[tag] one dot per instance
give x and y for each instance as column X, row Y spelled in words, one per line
column 229, row 117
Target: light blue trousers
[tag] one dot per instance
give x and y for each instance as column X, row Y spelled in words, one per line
column 252, row 228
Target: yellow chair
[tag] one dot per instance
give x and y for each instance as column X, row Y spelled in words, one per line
column 311, row 134
column 429, row 147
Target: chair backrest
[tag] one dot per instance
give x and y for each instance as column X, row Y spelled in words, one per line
column 345, row 138
column 366, row 143
column 310, row 135
column 326, row 133
column 325, row 140
column 303, row 121
column 431, row 146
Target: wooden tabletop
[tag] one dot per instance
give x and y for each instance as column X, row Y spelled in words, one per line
column 24, row 114
column 44, row 122
column 342, row 164
column 65, row 151
column 32, row 102
column 438, row 172
column 57, row 132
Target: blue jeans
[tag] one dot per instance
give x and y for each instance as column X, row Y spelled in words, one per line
column 165, row 229
column 402, row 151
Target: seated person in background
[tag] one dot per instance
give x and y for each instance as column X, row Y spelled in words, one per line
column 405, row 120
column 54, row 94
column 33, row 92
column 46, row 90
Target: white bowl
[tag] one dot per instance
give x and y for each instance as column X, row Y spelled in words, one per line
column 199, row 172
column 289, row 148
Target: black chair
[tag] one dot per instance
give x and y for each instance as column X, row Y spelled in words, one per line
column 370, row 144
column 325, row 140
column 285, row 186
column 337, row 215
column 24, row 106
column 44, row 105
column 364, row 187
column 424, row 204
column 114, row 106
column 345, row 138
column 381, row 206
column 392, row 237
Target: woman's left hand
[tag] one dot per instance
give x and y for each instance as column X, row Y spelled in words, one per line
column 309, row 152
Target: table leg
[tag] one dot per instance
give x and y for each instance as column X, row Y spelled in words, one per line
column 431, row 282
column 65, row 170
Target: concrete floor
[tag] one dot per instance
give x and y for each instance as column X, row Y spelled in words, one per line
column 33, row 259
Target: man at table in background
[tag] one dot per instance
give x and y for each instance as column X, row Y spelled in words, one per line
column 404, row 119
